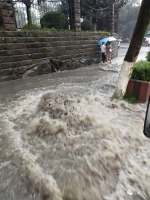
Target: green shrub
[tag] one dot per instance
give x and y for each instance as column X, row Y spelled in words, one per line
column 86, row 25
column 53, row 19
column 49, row 29
column 103, row 33
column 148, row 56
column 34, row 26
column 141, row 71
column 130, row 98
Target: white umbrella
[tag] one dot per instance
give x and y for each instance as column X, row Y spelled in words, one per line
column 119, row 40
column 111, row 39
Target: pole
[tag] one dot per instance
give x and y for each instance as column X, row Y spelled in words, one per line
column 112, row 18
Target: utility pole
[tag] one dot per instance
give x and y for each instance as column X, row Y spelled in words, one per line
column 111, row 18
column 71, row 14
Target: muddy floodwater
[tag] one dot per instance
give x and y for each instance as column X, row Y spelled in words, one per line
column 62, row 138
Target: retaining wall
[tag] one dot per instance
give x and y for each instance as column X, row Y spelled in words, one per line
column 19, row 49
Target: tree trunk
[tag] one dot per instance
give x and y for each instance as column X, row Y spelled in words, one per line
column 133, row 50
column 29, row 17
column 94, row 18
column 94, row 26
column 111, row 18
column 77, row 11
column 116, row 21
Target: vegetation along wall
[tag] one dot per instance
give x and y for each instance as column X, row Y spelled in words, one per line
column 19, row 49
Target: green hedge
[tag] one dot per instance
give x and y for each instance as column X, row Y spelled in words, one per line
column 86, row 25
column 53, row 19
column 34, row 27
column 141, row 71
column 148, row 56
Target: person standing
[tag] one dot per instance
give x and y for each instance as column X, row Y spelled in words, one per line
column 103, row 52
column 118, row 44
column 108, row 51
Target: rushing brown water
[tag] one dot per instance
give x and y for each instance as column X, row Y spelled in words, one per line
column 68, row 141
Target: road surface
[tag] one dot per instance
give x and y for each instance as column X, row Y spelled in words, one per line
column 123, row 49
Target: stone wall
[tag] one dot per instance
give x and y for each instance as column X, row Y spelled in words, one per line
column 19, row 50
column 7, row 18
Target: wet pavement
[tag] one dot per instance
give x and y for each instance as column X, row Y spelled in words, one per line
column 83, row 75
column 123, row 49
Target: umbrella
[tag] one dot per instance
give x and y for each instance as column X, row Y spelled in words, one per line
column 119, row 40
column 108, row 39
column 111, row 39
column 102, row 40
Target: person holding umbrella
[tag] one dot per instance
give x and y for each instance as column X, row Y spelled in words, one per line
column 103, row 52
column 108, row 51
column 119, row 40
column 118, row 44
column 108, row 46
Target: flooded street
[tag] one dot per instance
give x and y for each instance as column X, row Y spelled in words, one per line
column 62, row 138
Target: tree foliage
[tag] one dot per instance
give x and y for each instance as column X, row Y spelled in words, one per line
column 98, row 11
column 28, row 3
column 127, row 20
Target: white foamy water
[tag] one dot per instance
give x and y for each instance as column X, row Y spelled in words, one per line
column 71, row 142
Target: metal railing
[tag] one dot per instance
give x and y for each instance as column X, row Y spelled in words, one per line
column 37, row 11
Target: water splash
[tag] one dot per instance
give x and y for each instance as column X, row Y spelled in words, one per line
column 73, row 147
column 56, row 144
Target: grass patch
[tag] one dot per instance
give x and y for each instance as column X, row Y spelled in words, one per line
column 130, row 98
